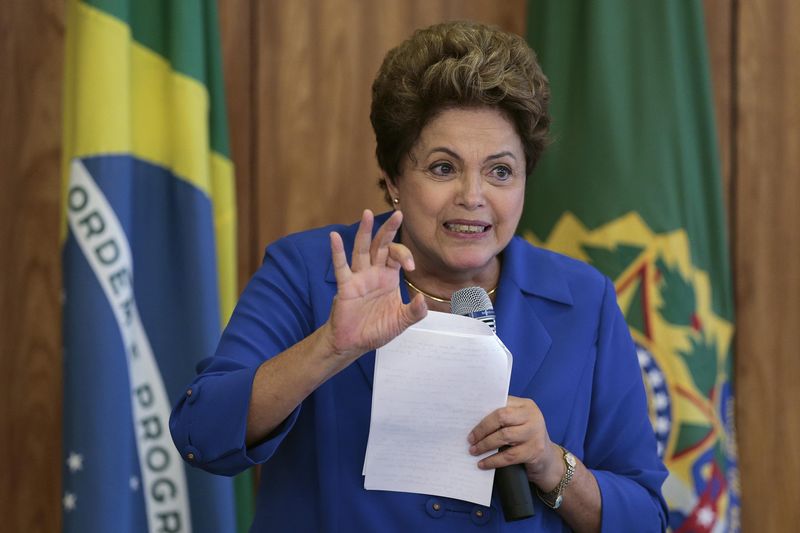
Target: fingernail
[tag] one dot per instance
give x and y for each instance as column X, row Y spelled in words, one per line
column 473, row 450
column 481, row 465
column 471, row 438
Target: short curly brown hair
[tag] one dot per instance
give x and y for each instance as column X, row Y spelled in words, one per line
column 457, row 64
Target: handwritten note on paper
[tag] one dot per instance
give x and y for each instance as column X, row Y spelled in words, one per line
column 432, row 385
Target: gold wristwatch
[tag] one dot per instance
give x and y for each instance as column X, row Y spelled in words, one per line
column 555, row 497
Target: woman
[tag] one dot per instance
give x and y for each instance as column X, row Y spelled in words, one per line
column 460, row 116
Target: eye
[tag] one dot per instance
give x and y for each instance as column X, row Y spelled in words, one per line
column 501, row 173
column 442, row 169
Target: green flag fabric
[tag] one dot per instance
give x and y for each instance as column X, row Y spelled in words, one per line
column 631, row 184
column 149, row 257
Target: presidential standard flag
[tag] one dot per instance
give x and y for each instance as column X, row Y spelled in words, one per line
column 631, row 184
column 149, row 259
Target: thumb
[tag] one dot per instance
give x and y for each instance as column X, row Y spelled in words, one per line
column 414, row 311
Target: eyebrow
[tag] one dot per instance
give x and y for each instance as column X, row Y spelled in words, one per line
column 488, row 158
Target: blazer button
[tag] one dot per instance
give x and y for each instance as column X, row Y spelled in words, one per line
column 191, row 394
column 480, row 515
column 434, row 508
column 192, row 454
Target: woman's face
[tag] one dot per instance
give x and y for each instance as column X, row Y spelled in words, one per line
column 461, row 192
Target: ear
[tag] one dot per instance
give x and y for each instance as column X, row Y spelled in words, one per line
column 391, row 185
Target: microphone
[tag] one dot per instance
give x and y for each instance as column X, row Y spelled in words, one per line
column 511, row 481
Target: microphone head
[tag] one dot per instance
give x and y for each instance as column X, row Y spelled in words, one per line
column 468, row 300
column 473, row 302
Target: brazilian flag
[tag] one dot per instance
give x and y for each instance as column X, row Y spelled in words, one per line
column 631, row 184
column 149, row 259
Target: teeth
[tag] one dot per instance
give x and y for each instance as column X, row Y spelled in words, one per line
column 465, row 228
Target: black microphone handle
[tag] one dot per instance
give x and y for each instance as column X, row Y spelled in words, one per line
column 515, row 492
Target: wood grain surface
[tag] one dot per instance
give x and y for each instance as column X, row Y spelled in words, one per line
column 719, row 15
column 237, row 29
column 298, row 76
column 31, row 59
column 767, row 262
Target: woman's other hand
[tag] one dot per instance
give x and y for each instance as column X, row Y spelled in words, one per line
column 518, row 430
column 368, row 310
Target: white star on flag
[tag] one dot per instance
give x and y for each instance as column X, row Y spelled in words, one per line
column 75, row 462
column 660, row 400
column 705, row 516
column 134, row 483
column 662, row 424
column 70, row 500
column 655, row 378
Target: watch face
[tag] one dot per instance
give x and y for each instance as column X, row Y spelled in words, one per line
column 570, row 459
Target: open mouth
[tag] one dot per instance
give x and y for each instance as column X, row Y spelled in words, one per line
column 467, row 228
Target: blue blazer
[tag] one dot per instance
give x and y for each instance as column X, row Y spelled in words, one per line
column 573, row 355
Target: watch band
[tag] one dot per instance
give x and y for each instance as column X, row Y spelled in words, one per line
column 555, row 497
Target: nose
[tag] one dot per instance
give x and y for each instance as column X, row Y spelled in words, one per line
column 470, row 192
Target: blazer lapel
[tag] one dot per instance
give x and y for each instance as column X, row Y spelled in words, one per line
column 528, row 276
column 523, row 334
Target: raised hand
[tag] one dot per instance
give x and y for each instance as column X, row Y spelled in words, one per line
column 368, row 311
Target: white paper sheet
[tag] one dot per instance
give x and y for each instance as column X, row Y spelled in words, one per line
column 432, row 385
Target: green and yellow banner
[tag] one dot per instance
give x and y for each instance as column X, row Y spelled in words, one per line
column 631, row 184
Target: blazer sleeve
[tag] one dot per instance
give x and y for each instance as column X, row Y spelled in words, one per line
column 621, row 447
column 209, row 421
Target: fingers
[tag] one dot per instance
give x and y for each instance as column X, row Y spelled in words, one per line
column 508, row 436
column 379, row 250
column 361, row 246
column 505, row 456
column 340, row 267
column 517, row 431
column 384, row 237
column 399, row 256
column 515, row 413
column 386, row 252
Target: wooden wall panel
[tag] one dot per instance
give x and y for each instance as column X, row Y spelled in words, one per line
column 767, row 261
column 31, row 52
column 237, row 29
column 719, row 16
column 316, row 61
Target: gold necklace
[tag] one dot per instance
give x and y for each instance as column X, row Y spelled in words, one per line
column 436, row 298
